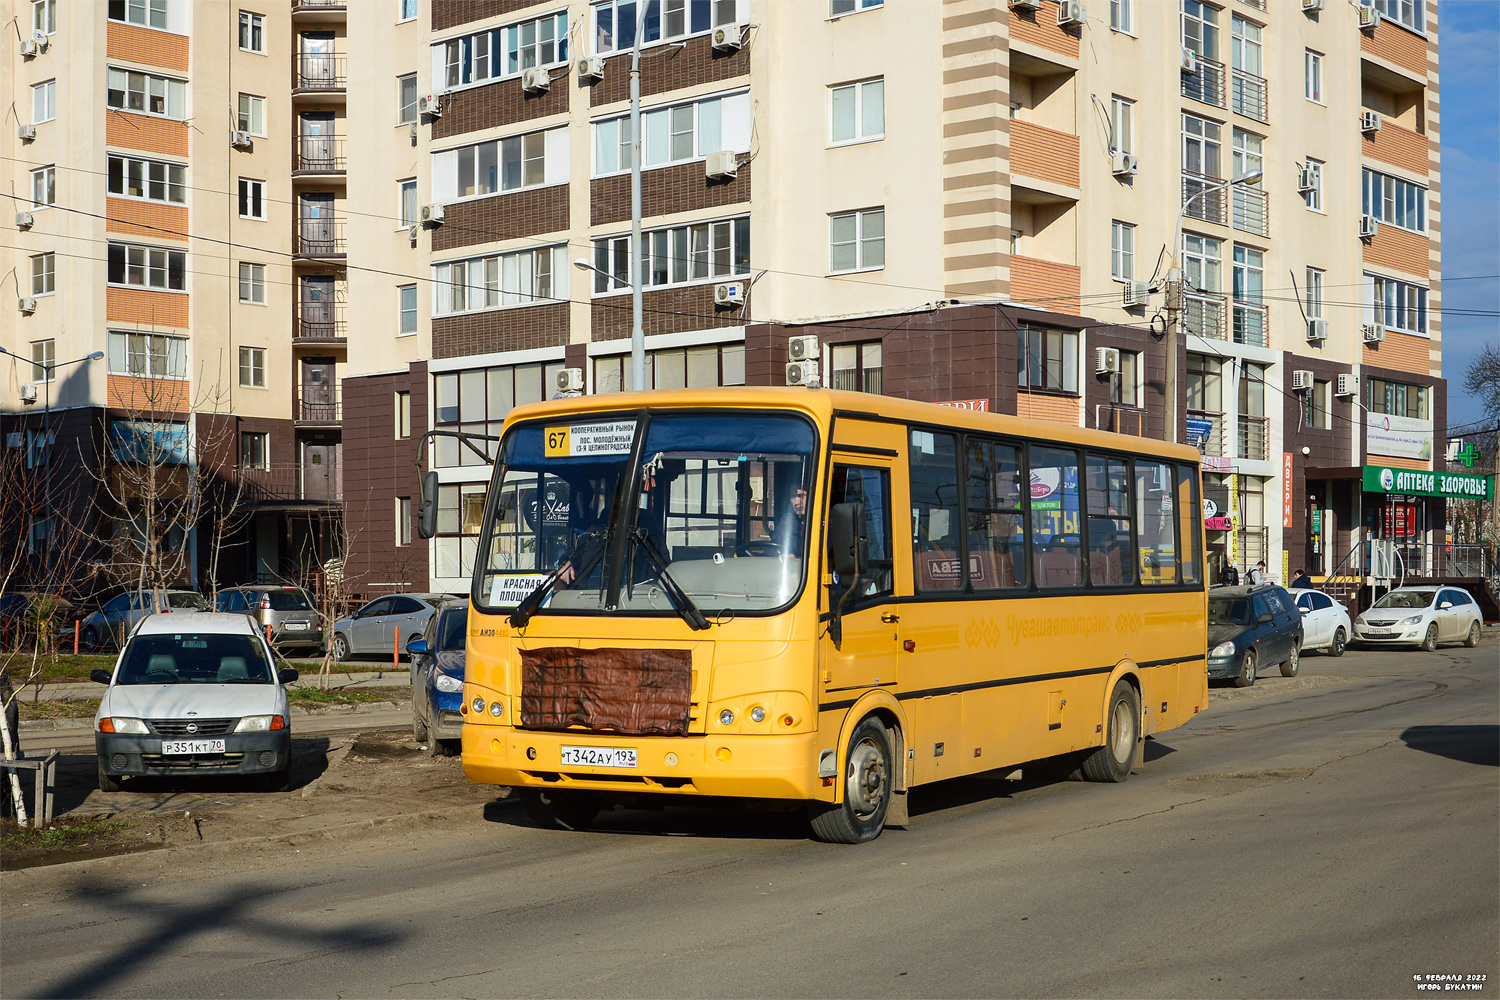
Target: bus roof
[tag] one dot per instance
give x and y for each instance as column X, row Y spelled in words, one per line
column 823, row 404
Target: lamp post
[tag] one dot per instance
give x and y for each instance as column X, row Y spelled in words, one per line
column 1174, row 294
column 47, row 371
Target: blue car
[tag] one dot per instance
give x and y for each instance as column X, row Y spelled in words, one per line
column 437, row 679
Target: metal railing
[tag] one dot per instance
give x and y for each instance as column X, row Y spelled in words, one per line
column 320, row 238
column 1254, row 438
column 301, row 5
column 1443, row 561
column 319, row 154
column 1203, row 315
column 1206, row 85
column 291, row 482
column 319, row 71
column 1249, row 323
column 1203, row 197
column 323, row 327
column 1120, row 418
column 1247, row 93
column 324, row 407
column 1251, row 209
column 1212, row 442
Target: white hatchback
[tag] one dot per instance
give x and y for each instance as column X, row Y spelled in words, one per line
column 1325, row 622
column 1422, row 617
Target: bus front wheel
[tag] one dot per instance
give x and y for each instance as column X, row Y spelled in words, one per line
column 553, row 810
column 1112, row 761
column 867, row 789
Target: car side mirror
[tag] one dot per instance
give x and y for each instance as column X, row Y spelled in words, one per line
column 287, row 674
column 1445, row 605
column 845, row 540
column 1266, row 618
column 417, row 646
column 1305, row 611
column 99, row 676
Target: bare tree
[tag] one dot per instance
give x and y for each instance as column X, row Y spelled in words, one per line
column 1482, row 380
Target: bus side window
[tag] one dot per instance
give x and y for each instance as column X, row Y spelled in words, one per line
column 1154, row 482
column 997, row 540
column 1110, row 561
column 871, row 487
column 1056, row 559
column 935, row 514
column 1189, row 523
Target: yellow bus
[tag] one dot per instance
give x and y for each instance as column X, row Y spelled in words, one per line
column 821, row 599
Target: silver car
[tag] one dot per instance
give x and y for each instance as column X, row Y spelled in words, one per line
column 111, row 624
column 384, row 625
column 289, row 611
column 1421, row 617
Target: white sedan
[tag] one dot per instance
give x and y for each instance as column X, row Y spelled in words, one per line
column 1325, row 622
column 1422, row 617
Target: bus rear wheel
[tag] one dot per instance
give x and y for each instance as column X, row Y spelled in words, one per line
column 867, row 789
column 554, row 810
column 1113, row 761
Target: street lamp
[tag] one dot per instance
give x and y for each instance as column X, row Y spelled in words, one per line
column 47, row 371
column 1174, row 294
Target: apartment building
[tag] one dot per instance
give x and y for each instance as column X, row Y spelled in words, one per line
column 974, row 203
column 154, row 229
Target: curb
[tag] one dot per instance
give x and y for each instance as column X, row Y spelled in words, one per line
column 87, row 724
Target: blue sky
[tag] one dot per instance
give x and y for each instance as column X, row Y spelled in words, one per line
column 1469, row 90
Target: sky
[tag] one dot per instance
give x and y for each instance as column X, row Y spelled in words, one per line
column 1469, row 92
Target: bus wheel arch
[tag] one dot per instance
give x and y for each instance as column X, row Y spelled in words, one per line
column 870, row 787
column 1123, row 728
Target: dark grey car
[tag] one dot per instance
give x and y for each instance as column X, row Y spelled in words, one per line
column 289, row 611
column 111, row 624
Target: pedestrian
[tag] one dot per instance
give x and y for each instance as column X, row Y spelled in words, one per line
column 1301, row 580
column 1229, row 576
column 1256, row 575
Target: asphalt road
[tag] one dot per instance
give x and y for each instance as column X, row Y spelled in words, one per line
column 1334, row 835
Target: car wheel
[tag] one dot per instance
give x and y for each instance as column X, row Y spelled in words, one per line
column 1293, row 662
column 1340, row 642
column 418, row 724
column 108, row 782
column 867, row 789
column 89, row 641
column 1473, row 638
column 1247, row 671
column 1429, row 641
column 341, row 649
column 1113, row 761
column 553, row 810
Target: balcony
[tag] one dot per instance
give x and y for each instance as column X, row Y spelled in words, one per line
column 280, row 483
column 321, row 327
column 1203, row 197
column 318, row 155
column 319, row 73
column 318, row 6
column 1040, row 154
column 1207, row 85
column 1045, row 283
column 1205, row 431
column 321, row 239
column 1203, row 315
column 1255, row 437
column 318, row 405
column 1249, row 323
column 1251, row 209
column 1248, row 94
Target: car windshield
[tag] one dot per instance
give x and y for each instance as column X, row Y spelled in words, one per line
column 1229, row 611
column 194, row 658
column 181, row 599
column 1406, row 599
column 455, row 625
column 288, row 600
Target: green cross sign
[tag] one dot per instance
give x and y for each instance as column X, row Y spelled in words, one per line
column 1468, row 455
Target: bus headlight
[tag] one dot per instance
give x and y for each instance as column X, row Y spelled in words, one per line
column 757, row 714
column 478, row 706
column 496, row 709
column 726, row 717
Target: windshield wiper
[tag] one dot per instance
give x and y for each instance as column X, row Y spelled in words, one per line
column 581, row 559
column 685, row 605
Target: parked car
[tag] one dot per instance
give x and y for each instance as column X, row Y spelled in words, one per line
column 373, row 628
column 1325, row 622
column 289, row 611
column 111, row 624
column 437, row 678
column 1248, row 626
column 194, row 694
column 1421, row 617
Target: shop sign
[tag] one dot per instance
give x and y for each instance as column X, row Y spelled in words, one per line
column 1212, row 463
column 1404, row 437
column 1219, row 523
column 977, row 405
column 1286, row 489
column 1416, row 483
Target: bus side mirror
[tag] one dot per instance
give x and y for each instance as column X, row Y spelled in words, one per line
column 427, row 510
column 845, row 541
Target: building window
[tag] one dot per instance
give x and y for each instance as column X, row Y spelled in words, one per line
column 1397, row 399
column 837, row 8
column 856, row 111
column 1200, row 28
column 43, row 357
column 1047, row 359
column 676, row 256
column 407, row 202
column 475, row 396
column 253, row 367
column 1203, row 262
column 406, row 10
column 147, row 355
column 255, row 450
column 44, row 16
column 1314, row 296
column 1395, row 202
column 1121, row 16
column 252, row 115
column 1015, row 241
column 1122, row 251
column 614, row 22
column 153, row 180
column 1247, row 153
column 151, row 13
column 43, row 274
column 403, row 413
column 856, row 367
column 856, row 241
column 43, row 187
column 253, row 283
column 1313, row 196
column 44, row 102
column 1315, row 407
column 1312, row 75
column 511, row 279
column 676, row 368
column 408, row 309
column 505, row 52
column 1124, row 389
column 1201, row 148
column 1396, row 305
column 252, row 32
column 406, row 99
column 1408, row 13
column 252, row 199
column 513, row 164
column 403, row 521
column 147, row 267
column 1122, row 124
column 677, row 134
column 128, row 90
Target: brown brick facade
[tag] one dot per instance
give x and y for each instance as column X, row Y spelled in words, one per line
column 451, row 13
column 666, row 310
column 502, row 102
column 680, row 188
column 669, row 69
column 516, row 329
column 502, row 217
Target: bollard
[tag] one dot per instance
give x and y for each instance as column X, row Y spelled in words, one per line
column 268, row 633
column 396, row 648
column 75, row 636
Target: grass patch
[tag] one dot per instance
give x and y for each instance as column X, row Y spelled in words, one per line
column 345, row 696
column 71, row 708
column 67, row 669
column 63, row 831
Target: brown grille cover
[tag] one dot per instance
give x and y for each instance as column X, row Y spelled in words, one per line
column 629, row 691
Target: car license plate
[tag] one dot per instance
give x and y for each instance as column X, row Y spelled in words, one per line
column 1379, row 631
column 295, row 626
column 623, row 757
column 192, row 746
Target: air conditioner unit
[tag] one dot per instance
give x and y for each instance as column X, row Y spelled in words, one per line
column 1346, row 385
column 1137, row 293
column 721, row 165
column 24, row 220
column 802, row 348
column 1369, row 18
column 1317, row 329
column 1368, row 227
column 1071, row 14
column 26, row 132
column 1374, row 333
column 29, row 48
column 28, row 305
column 28, row 393
column 1312, row 5
column 432, row 105
column 570, row 380
column 1122, row 164
column 536, row 80
column 802, row 373
column 1106, row 360
column 591, row 68
column 1025, row 4
column 1369, row 121
column 241, row 140
column 727, row 38
column 1302, row 380
column 1306, row 181
column 1189, row 61
column 729, row 294
column 433, row 214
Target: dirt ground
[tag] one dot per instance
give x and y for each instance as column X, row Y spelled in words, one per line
column 341, row 785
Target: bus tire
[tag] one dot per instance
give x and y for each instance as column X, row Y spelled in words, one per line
column 1112, row 762
column 867, row 789
column 553, row 810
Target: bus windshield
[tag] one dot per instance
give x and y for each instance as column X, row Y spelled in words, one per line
column 650, row 513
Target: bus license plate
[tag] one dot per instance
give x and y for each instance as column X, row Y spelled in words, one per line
column 599, row 756
column 192, row 746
